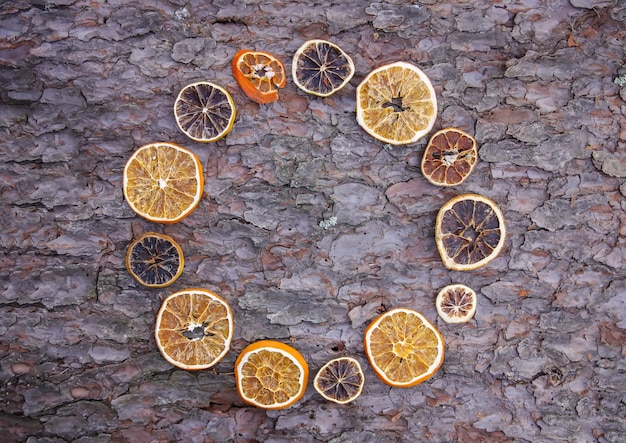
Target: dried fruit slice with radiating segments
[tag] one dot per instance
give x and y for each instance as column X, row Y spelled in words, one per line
column 449, row 158
column 163, row 182
column 340, row 380
column 204, row 111
column 271, row 375
column 469, row 232
column 403, row 348
column 194, row 328
column 321, row 68
column 155, row 260
column 396, row 103
column 258, row 75
column 456, row 303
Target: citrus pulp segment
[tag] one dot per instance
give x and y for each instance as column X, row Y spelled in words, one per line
column 163, row 182
column 456, row 303
column 340, row 380
column 258, row 75
column 155, row 260
column 449, row 158
column 396, row 104
column 194, row 329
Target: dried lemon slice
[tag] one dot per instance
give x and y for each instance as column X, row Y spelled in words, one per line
column 155, row 260
column 456, row 303
column 340, row 380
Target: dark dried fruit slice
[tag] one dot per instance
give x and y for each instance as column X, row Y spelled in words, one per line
column 155, row 260
column 321, row 68
column 470, row 232
column 456, row 303
column 340, row 380
column 449, row 158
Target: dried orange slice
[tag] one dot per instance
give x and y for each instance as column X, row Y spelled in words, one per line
column 404, row 349
column 456, row 303
column 340, row 380
column 194, row 328
column 469, row 232
column 259, row 74
column 204, row 111
column 449, row 158
column 163, row 182
column 155, row 260
column 321, row 68
column 396, row 104
column 271, row 375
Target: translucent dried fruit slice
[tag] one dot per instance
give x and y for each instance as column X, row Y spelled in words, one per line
column 396, row 104
column 163, row 182
column 449, row 158
column 469, row 231
column 258, row 75
column 271, row 375
column 340, row 380
column 321, row 68
column 204, row 111
column 155, row 260
column 194, row 329
column 456, row 303
column 403, row 348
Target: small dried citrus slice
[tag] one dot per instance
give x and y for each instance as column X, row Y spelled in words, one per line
column 396, row 103
column 271, row 375
column 449, row 158
column 163, row 182
column 469, row 231
column 258, row 75
column 194, row 328
column 403, row 347
column 321, row 68
column 204, row 111
column 155, row 260
column 456, row 303
column 340, row 380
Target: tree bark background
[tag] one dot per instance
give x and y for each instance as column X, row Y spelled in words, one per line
column 540, row 83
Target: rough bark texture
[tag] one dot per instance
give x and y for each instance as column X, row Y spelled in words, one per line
column 308, row 226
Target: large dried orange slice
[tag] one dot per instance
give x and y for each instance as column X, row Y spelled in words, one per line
column 449, row 158
column 340, row 380
column 321, row 68
column 163, row 182
column 396, row 103
column 194, row 329
column 155, row 260
column 456, row 303
column 259, row 74
column 469, row 231
column 271, row 375
column 403, row 347
column 204, row 111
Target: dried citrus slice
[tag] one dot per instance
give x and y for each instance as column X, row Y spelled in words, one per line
column 396, row 103
column 469, row 232
column 194, row 328
column 271, row 375
column 163, row 182
column 321, row 68
column 259, row 74
column 403, row 347
column 340, row 380
column 204, row 111
column 449, row 157
column 456, row 303
column 155, row 260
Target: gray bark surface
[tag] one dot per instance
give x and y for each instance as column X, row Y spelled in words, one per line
column 308, row 226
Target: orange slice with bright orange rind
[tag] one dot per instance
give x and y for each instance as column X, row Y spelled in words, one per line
column 204, row 111
column 258, row 74
column 321, row 68
column 456, row 303
column 340, row 380
column 469, row 232
column 396, row 103
column 155, row 260
column 403, row 347
column 163, row 182
column 449, row 158
column 194, row 329
column 271, row 375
